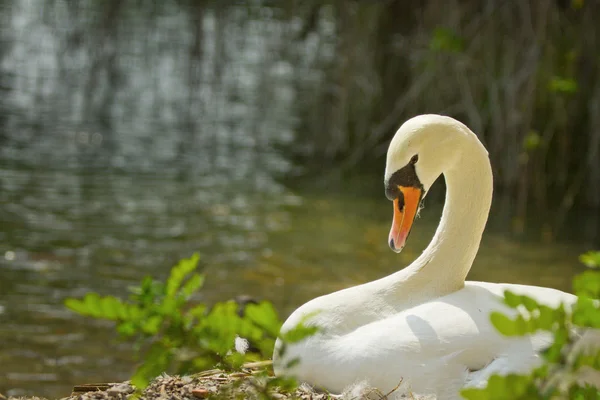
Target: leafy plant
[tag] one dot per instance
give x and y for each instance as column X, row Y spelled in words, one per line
column 171, row 333
column 562, row 85
column 566, row 357
column 444, row 39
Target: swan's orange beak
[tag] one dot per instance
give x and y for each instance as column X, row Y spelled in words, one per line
column 405, row 210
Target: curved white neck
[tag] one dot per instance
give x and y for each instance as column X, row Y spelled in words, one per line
column 445, row 263
column 441, row 268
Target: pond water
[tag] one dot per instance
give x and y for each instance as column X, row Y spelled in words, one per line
column 131, row 137
column 69, row 232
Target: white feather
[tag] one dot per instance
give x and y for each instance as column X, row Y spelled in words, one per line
column 423, row 326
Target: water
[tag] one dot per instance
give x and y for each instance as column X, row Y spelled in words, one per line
column 124, row 149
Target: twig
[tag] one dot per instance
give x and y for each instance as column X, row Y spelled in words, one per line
column 394, row 389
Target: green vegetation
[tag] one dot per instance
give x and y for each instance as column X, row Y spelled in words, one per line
column 173, row 335
column 567, row 358
column 505, row 69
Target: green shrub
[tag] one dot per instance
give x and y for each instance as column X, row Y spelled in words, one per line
column 171, row 334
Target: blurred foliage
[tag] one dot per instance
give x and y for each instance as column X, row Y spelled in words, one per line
column 532, row 141
column 444, row 39
column 172, row 334
column 506, row 69
column 327, row 83
column 591, row 259
column 560, row 85
column 570, row 353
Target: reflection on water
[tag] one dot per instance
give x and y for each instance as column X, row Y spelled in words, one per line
column 67, row 233
column 126, row 143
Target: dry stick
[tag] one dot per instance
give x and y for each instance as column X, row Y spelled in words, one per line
column 522, row 87
column 525, row 78
column 469, row 103
column 394, row 389
column 475, row 25
column 380, row 394
column 537, row 52
column 569, row 197
column 249, row 365
column 541, row 157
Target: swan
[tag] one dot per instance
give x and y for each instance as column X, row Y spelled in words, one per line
column 423, row 327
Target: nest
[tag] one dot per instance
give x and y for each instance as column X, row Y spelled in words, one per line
column 248, row 383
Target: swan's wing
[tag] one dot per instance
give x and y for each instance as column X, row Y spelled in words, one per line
column 513, row 362
column 428, row 347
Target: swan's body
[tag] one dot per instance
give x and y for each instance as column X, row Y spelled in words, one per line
column 423, row 326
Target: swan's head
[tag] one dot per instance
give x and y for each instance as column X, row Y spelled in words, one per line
column 423, row 148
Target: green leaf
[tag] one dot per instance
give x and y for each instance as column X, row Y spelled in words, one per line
column 563, row 85
column 549, row 318
column 444, row 39
column 553, row 354
column 95, row 306
column 587, row 284
column 157, row 360
column 532, row 141
column 586, row 312
column 112, row 308
column 192, row 285
column 92, row 301
column 475, row 394
column 299, row 333
column 127, row 329
column 514, row 300
column 529, row 303
column 197, row 311
column 152, row 324
column 179, row 273
column 235, row 360
column 77, row 306
column 168, row 306
column 512, row 386
column 511, row 299
column 220, row 326
column 265, row 316
column 591, row 259
column 148, row 292
column 504, row 324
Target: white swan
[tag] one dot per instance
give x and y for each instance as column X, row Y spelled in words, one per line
column 423, row 325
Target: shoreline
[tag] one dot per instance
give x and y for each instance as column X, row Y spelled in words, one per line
column 249, row 382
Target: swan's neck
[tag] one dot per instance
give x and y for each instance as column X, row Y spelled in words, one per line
column 445, row 263
column 441, row 269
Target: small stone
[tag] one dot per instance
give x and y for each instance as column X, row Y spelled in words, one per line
column 200, row 393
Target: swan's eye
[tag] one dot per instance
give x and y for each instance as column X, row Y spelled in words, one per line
column 400, row 200
column 414, row 159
